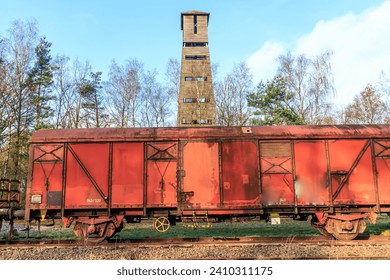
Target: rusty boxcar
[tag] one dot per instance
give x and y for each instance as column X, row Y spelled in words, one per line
column 339, row 176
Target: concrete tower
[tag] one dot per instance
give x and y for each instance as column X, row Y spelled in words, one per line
column 196, row 97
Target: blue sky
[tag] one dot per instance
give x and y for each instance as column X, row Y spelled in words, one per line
column 255, row 31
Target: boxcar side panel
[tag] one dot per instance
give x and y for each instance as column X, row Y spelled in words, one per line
column 87, row 176
column 361, row 182
column 382, row 161
column 161, row 174
column 240, row 173
column 127, row 175
column 201, row 174
column 276, row 173
column 311, row 173
column 47, row 175
column 352, row 172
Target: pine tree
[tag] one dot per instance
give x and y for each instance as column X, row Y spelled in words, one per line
column 40, row 83
column 90, row 92
column 271, row 103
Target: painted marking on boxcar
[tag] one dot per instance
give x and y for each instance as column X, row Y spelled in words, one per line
column 94, row 200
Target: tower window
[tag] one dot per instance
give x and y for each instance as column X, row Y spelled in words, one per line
column 203, row 100
column 194, row 100
column 201, row 121
column 195, row 57
column 195, row 44
column 188, row 78
column 189, row 100
column 201, row 79
column 185, row 121
column 195, row 24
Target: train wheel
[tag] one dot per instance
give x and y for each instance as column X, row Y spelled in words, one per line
column 79, row 229
column 110, row 230
column 94, row 234
column 322, row 231
column 347, row 230
column 161, row 224
column 320, row 227
column 95, row 239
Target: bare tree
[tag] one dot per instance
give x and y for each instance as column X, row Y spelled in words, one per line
column 6, row 116
column 295, row 72
column 148, row 89
column 231, row 96
column 62, row 87
column 80, row 73
column 321, row 86
column 123, row 91
column 160, row 107
column 156, row 101
column 172, row 77
column 366, row 108
column 19, row 49
column 311, row 83
column 5, row 96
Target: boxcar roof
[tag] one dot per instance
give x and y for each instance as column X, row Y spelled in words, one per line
column 184, row 133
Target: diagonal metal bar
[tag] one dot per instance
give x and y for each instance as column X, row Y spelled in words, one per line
column 384, row 149
column 96, row 186
column 158, row 151
column 51, row 152
column 276, row 165
column 355, row 163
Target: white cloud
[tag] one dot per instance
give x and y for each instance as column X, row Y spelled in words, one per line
column 262, row 62
column 360, row 43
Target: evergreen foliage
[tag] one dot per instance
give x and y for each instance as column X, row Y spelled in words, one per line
column 40, row 80
column 271, row 104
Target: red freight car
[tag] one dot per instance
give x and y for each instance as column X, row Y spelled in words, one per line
column 337, row 175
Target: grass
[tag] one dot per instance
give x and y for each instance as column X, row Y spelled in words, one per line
column 382, row 226
column 55, row 232
column 230, row 230
column 288, row 228
column 234, row 230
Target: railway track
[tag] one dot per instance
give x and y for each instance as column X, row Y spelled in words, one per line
column 315, row 247
column 212, row 241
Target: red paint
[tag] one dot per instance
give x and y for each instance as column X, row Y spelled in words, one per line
column 222, row 170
